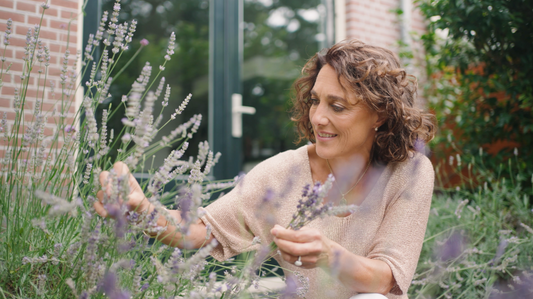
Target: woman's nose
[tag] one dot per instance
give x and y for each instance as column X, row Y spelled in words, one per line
column 319, row 117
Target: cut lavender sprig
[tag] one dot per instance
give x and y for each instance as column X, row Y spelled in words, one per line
column 311, row 207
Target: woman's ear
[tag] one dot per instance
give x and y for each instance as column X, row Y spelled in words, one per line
column 382, row 118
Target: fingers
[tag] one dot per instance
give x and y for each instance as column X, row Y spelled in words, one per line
column 120, row 169
column 306, row 244
column 308, row 261
column 299, row 236
column 99, row 208
column 297, row 249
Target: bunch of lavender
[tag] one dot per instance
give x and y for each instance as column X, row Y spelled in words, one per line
column 311, row 205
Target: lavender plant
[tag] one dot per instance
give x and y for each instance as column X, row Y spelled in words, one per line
column 52, row 245
column 479, row 240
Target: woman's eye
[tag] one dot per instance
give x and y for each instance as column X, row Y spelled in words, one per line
column 337, row 108
column 313, row 101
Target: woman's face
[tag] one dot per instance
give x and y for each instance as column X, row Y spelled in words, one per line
column 343, row 126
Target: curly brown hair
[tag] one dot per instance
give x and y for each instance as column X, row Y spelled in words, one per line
column 375, row 76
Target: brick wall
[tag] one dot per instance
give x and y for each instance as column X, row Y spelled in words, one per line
column 376, row 22
column 60, row 30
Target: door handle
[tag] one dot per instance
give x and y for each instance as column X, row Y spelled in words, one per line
column 237, row 110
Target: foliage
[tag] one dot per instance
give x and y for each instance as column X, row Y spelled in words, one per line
column 481, row 68
column 479, row 239
column 51, row 243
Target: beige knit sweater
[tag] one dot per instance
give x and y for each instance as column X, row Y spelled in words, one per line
column 389, row 225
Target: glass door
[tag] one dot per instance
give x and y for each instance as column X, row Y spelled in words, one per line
column 279, row 37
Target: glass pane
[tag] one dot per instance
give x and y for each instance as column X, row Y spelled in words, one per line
column 279, row 36
column 186, row 72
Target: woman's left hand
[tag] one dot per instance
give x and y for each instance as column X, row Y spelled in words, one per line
column 309, row 244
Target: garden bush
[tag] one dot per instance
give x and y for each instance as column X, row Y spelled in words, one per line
column 480, row 64
column 479, row 239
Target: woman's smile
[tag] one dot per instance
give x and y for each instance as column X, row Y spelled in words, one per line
column 325, row 135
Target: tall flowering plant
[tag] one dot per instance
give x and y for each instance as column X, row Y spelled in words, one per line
column 51, row 243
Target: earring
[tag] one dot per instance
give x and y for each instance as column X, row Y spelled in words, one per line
column 376, row 129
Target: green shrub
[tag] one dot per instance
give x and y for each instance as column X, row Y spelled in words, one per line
column 480, row 64
column 479, row 239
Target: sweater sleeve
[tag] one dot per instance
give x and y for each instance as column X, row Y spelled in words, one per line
column 229, row 218
column 239, row 216
column 399, row 239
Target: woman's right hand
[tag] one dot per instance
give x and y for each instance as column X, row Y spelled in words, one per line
column 136, row 200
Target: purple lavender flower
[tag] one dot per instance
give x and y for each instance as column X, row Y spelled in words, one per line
column 310, row 206
column 453, row 247
column 144, row 42
column 108, row 285
column 290, row 290
column 120, row 219
column 501, row 249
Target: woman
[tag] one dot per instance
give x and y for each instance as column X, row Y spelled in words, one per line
column 356, row 106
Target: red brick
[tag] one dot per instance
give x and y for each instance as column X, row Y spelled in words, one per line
column 26, row 7
column 32, row 93
column 46, row 34
column 65, row 3
column 43, row 33
column 8, row 90
column 28, row 104
column 10, row 115
column 48, row 107
column 42, row 82
column 7, row 3
column 72, row 38
column 53, row 59
column 68, row 15
column 52, row 71
column 17, row 42
column 5, row 103
column 19, row 55
column 8, row 53
column 6, row 79
column 64, row 25
column 30, row 81
column 37, row 20
column 55, row 48
column 16, row 17
column 50, row 95
column 51, row 12
column 52, row 120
